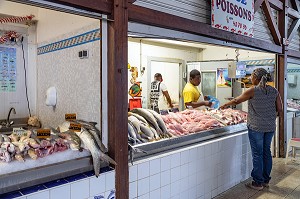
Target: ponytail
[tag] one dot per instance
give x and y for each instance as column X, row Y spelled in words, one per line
column 263, row 81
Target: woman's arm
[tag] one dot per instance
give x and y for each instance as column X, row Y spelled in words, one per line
column 248, row 94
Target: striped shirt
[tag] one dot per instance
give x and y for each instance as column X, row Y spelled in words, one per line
column 262, row 109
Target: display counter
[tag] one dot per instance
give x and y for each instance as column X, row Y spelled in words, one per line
column 167, row 145
column 17, row 175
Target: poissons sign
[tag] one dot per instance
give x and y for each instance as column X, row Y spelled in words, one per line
column 235, row 16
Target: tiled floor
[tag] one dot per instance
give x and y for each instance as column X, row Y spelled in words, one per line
column 285, row 183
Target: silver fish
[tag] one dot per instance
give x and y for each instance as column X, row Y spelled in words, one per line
column 138, row 134
column 135, row 122
column 155, row 133
column 90, row 126
column 138, row 117
column 149, row 117
column 159, row 120
column 97, row 154
column 132, row 133
column 147, row 131
column 72, row 138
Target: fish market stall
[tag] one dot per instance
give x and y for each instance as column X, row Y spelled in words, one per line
column 31, row 157
column 150, row 133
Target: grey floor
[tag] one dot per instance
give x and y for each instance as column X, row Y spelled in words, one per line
column 285, row 183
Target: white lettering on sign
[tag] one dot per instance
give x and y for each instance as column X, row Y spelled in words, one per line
column 235, row 16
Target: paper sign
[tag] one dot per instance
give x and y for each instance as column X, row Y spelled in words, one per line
column 70, row 116
column 235, row 16
column 75, row 127
column 19, row 131
column 43, row 133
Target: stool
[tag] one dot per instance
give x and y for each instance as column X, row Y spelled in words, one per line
column 294, row 143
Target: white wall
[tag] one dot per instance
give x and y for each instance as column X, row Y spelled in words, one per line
column 137, row 53
column 77, row 80
column 52, row 24
column 221, row 92
column 294, row 91
column 18, row 99
column 222, row 53
column 16, row 9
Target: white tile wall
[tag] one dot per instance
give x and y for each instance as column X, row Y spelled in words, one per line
column 143, row 170
column 133, row 173
column 97, row 185
column 202, row 171
column 155, row 181
column 155, row 166
column 155, row 194
column 133, row 190
column 165, row 192
column 165, row 163
column 39, row 195
column 85, row 188
column 165, row 178
column 80, row 189
column 61, row 192
column 110, row 181
column 143, row 186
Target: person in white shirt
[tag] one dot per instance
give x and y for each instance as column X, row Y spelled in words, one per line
column 159, row 95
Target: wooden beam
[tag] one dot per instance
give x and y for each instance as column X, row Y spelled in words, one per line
column 257, row 5
column 131, row 1
column 293, row 53
column 100, row 6
column 164, row 20
column 295, row 5
column 282, row 82
column 293, row 13
column 276, row 4
column 271, row 22
column 293, row 29
column 118, row 95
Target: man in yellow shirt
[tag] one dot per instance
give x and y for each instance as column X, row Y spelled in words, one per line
column 193, row 98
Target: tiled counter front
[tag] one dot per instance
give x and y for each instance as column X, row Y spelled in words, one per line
column 82, row 186
column 200, row 171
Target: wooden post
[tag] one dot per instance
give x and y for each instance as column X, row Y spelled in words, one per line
column 282, row 70
column 117, row 95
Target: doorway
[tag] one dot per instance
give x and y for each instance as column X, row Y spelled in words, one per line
column 172, row 73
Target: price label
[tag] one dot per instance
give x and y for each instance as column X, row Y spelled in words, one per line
column 43, row 133
column 19, row 131
column 75, row 127
column 70, row 116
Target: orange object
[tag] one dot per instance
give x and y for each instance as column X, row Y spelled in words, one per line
column 135, row 103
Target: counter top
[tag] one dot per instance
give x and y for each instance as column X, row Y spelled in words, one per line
column 165, row 145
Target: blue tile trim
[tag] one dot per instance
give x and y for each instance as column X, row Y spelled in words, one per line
column 10, row 195
column 52, row 184
column 293, row 70
column 81, row 39
column 33, row 189
column 55, row 183
column 260, row 62
column 75, row 177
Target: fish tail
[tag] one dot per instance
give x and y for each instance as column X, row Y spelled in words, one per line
column 96, row 163
column 107, row 158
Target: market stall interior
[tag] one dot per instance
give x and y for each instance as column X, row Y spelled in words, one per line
column 225, row 74
column 50, row 112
